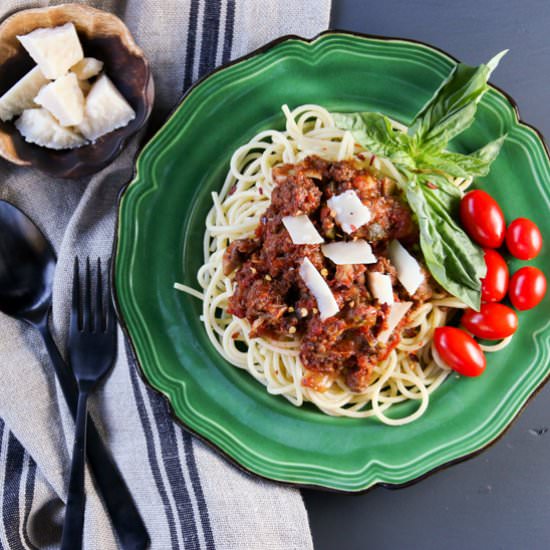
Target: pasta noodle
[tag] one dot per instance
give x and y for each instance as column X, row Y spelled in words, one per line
column 412, row 371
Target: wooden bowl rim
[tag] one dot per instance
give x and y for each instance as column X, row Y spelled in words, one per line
column 89, row 14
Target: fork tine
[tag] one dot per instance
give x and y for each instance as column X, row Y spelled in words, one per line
column 110, row 309
column 87, row 322
column 98, row 313
column 76, row 309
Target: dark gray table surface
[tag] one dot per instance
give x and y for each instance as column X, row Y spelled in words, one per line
column 501, row 498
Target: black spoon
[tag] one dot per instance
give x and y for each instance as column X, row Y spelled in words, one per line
column 27, row 266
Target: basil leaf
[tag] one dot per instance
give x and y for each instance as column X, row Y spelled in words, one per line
column 463, row 166
column 453, row 106
column 444, row 202
column 375, row 133
column 454, row 261
column 372, row 130
column 489, row 152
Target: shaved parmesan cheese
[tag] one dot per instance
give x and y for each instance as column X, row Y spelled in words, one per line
column 397, row 312
column 319, row 288
column 347, row 253
column 349, row 211
column 302, row 230
column 55, row 50
column 21, row 95
column 408, row 269
column 381, row 287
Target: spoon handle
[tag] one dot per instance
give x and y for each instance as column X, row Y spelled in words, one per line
column 73, row 524
column 127, row 522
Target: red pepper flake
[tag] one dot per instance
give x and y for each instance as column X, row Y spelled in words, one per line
column 372, row 160
column 260, row 190
column 235, row 335
column 232, row 190
column 431, row 185
column 360, row 156
column 353, row 228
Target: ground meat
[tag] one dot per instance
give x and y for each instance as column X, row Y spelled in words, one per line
column 391, row 219
column 237, row 252
column 357, row 377
column 323, row 344
column 272, row 296
column 348, row 275
column 295, row 193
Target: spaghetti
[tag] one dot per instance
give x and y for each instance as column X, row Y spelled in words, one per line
column 411, row 371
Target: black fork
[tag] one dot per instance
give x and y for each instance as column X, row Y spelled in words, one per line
column 92, row 349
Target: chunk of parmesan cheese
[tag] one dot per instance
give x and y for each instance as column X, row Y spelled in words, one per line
column 397, row 312
column 408, row 269
column 347, row 253
column 319, row 288
column 302, row 230
column 55, row 50
column 40, row 127
column 64, row 99
column 105, row 110
column 87, row 68
column 349, row 211
column 21, row 95
column 381, row 287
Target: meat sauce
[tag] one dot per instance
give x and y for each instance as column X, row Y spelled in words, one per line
column 272, row 296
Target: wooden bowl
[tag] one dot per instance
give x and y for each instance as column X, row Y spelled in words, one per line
column 104, row 36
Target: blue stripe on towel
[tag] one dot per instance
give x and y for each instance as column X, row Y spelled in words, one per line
column 151, row 453
column 29, row 497
column 228, row 35
column 210, row 35
column 191, row 44
column 10, row 508
column 199, row 494
column 173, row 469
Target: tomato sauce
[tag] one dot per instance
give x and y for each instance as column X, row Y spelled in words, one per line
column 272, row 296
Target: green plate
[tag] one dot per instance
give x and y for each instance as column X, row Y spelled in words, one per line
column 160, row 232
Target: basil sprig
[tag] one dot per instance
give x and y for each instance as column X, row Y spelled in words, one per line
column 454, row 261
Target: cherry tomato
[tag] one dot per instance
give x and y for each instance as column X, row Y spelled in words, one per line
column 495, row 284
column 459, row 351
column 523, row 239
column 492, row 321
column 482, row 218
column 527, row 287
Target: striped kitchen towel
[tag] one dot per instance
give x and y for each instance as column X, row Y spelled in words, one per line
column 188, row 496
